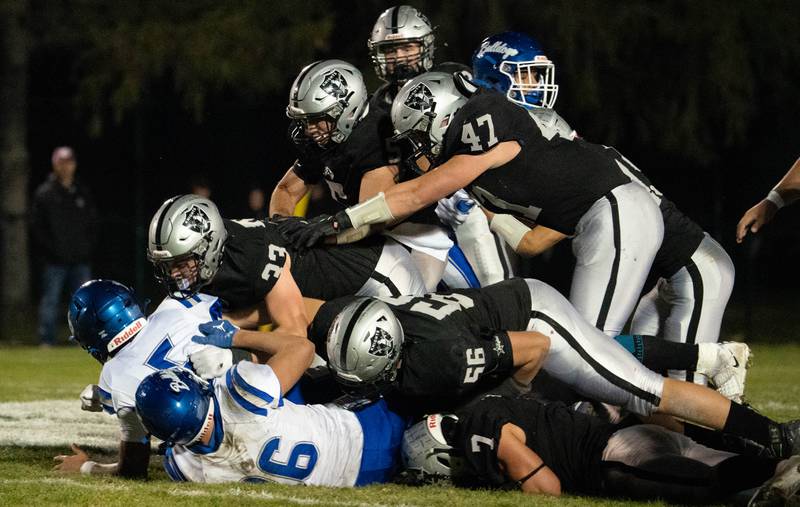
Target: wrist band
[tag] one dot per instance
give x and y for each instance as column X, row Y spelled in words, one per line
column 531, row 474
column 372, row 211
column 86, row 468
column 775, row 198
column 509, row 228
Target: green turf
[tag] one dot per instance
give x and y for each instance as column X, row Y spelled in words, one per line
column 30, row 373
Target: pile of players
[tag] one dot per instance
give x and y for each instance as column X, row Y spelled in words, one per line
column 361, row 347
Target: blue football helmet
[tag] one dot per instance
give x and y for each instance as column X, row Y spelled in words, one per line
column 513, row 63
column 175, row 405
column 104, row 316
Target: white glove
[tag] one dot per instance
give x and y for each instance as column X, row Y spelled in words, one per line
column 448, row 208
column 90, row 399
column 211, row 362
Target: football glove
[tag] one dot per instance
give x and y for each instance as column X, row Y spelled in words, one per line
column 454, row 210
column 218, row 333
column 211, row 362
column 90, row 399
column 318, row 228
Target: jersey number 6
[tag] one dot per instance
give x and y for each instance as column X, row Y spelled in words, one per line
column 298, row 466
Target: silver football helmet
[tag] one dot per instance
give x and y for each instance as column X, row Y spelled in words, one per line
column 328, row 89
column 396, row 27
column 186, row 228
column 364, row 344
column 425, row 451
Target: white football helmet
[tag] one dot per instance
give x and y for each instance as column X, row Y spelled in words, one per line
column 425, row 451
column 332, row 90
column 398, row 26
column 186, row 227
column 364, row 344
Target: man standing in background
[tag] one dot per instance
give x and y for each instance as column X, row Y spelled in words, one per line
column 63, row 220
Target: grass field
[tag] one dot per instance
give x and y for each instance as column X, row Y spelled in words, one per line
column 40, row 415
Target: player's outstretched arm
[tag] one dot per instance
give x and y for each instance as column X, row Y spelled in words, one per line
column 523, row 465
column 785, row 192
column 525, row 240
column 288, row 192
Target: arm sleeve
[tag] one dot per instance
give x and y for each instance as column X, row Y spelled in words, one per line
column 255, row 387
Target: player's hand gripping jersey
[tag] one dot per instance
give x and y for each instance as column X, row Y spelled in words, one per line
column 259, row 436
column 164, row 341
column 552, row 181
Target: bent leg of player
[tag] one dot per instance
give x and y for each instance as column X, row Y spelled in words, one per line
column 600, row 368
column 429, row 246
column 395, row 274
column 646, row 462
column 614, row 246
column 697, row 295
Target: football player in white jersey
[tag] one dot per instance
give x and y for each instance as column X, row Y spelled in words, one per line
column 107, row 321
column 240, row 428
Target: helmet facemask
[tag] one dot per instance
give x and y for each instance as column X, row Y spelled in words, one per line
column 532, row 83
column 418, row 152
column 182, row 276
column 304, row 123
column 399, row 69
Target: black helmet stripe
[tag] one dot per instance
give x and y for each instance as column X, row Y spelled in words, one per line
column 395, row 15
column 303, row 74
column 162, row 219
column 349, row 330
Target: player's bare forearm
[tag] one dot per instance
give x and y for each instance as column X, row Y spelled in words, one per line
column 377, row 180
column 538, row 240
column 288, row 192
column 518, row 461
column 789, row 186
column 458, row 172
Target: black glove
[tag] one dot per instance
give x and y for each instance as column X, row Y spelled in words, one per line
column 318, row 228
column 288, row 226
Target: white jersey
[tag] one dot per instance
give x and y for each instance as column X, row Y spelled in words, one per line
column 263, row 437
column 165, row 341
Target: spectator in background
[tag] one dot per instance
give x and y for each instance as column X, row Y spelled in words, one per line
column 63, row 223
column 199, row 185
column 256, row 203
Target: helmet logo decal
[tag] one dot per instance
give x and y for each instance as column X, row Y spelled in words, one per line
column 176, row 385
column 197, row 220
column 497, row 47
column 334, row 84
column 381, row 344
column 420, row 98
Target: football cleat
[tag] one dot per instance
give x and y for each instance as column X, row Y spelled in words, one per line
column 728, row 370
column 781, row 487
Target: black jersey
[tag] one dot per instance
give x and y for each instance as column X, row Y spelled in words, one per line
column 570, row 444
column 255, row 254
column 383, row 98
column 682, row 235
column 342, row 166
column 552, row 181
column 450, row 341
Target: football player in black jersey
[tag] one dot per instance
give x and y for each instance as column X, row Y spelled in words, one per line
column 494, row 150
column 247, row 263
column 546, row 448
column 696, row 274
column 440, row 349
column 341, row 142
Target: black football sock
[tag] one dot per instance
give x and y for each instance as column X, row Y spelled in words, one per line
column 658, row 354
column 747, row 423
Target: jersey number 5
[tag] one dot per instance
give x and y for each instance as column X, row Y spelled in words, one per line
column 299, row 464
column 475, row 143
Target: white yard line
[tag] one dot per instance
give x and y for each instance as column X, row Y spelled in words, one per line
column 55, row 423
column 234, row 491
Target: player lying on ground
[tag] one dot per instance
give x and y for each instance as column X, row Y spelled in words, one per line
column 440, row 347
column 248, row 262
column 241, row 429
column 107, row 321
column 546, row 448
